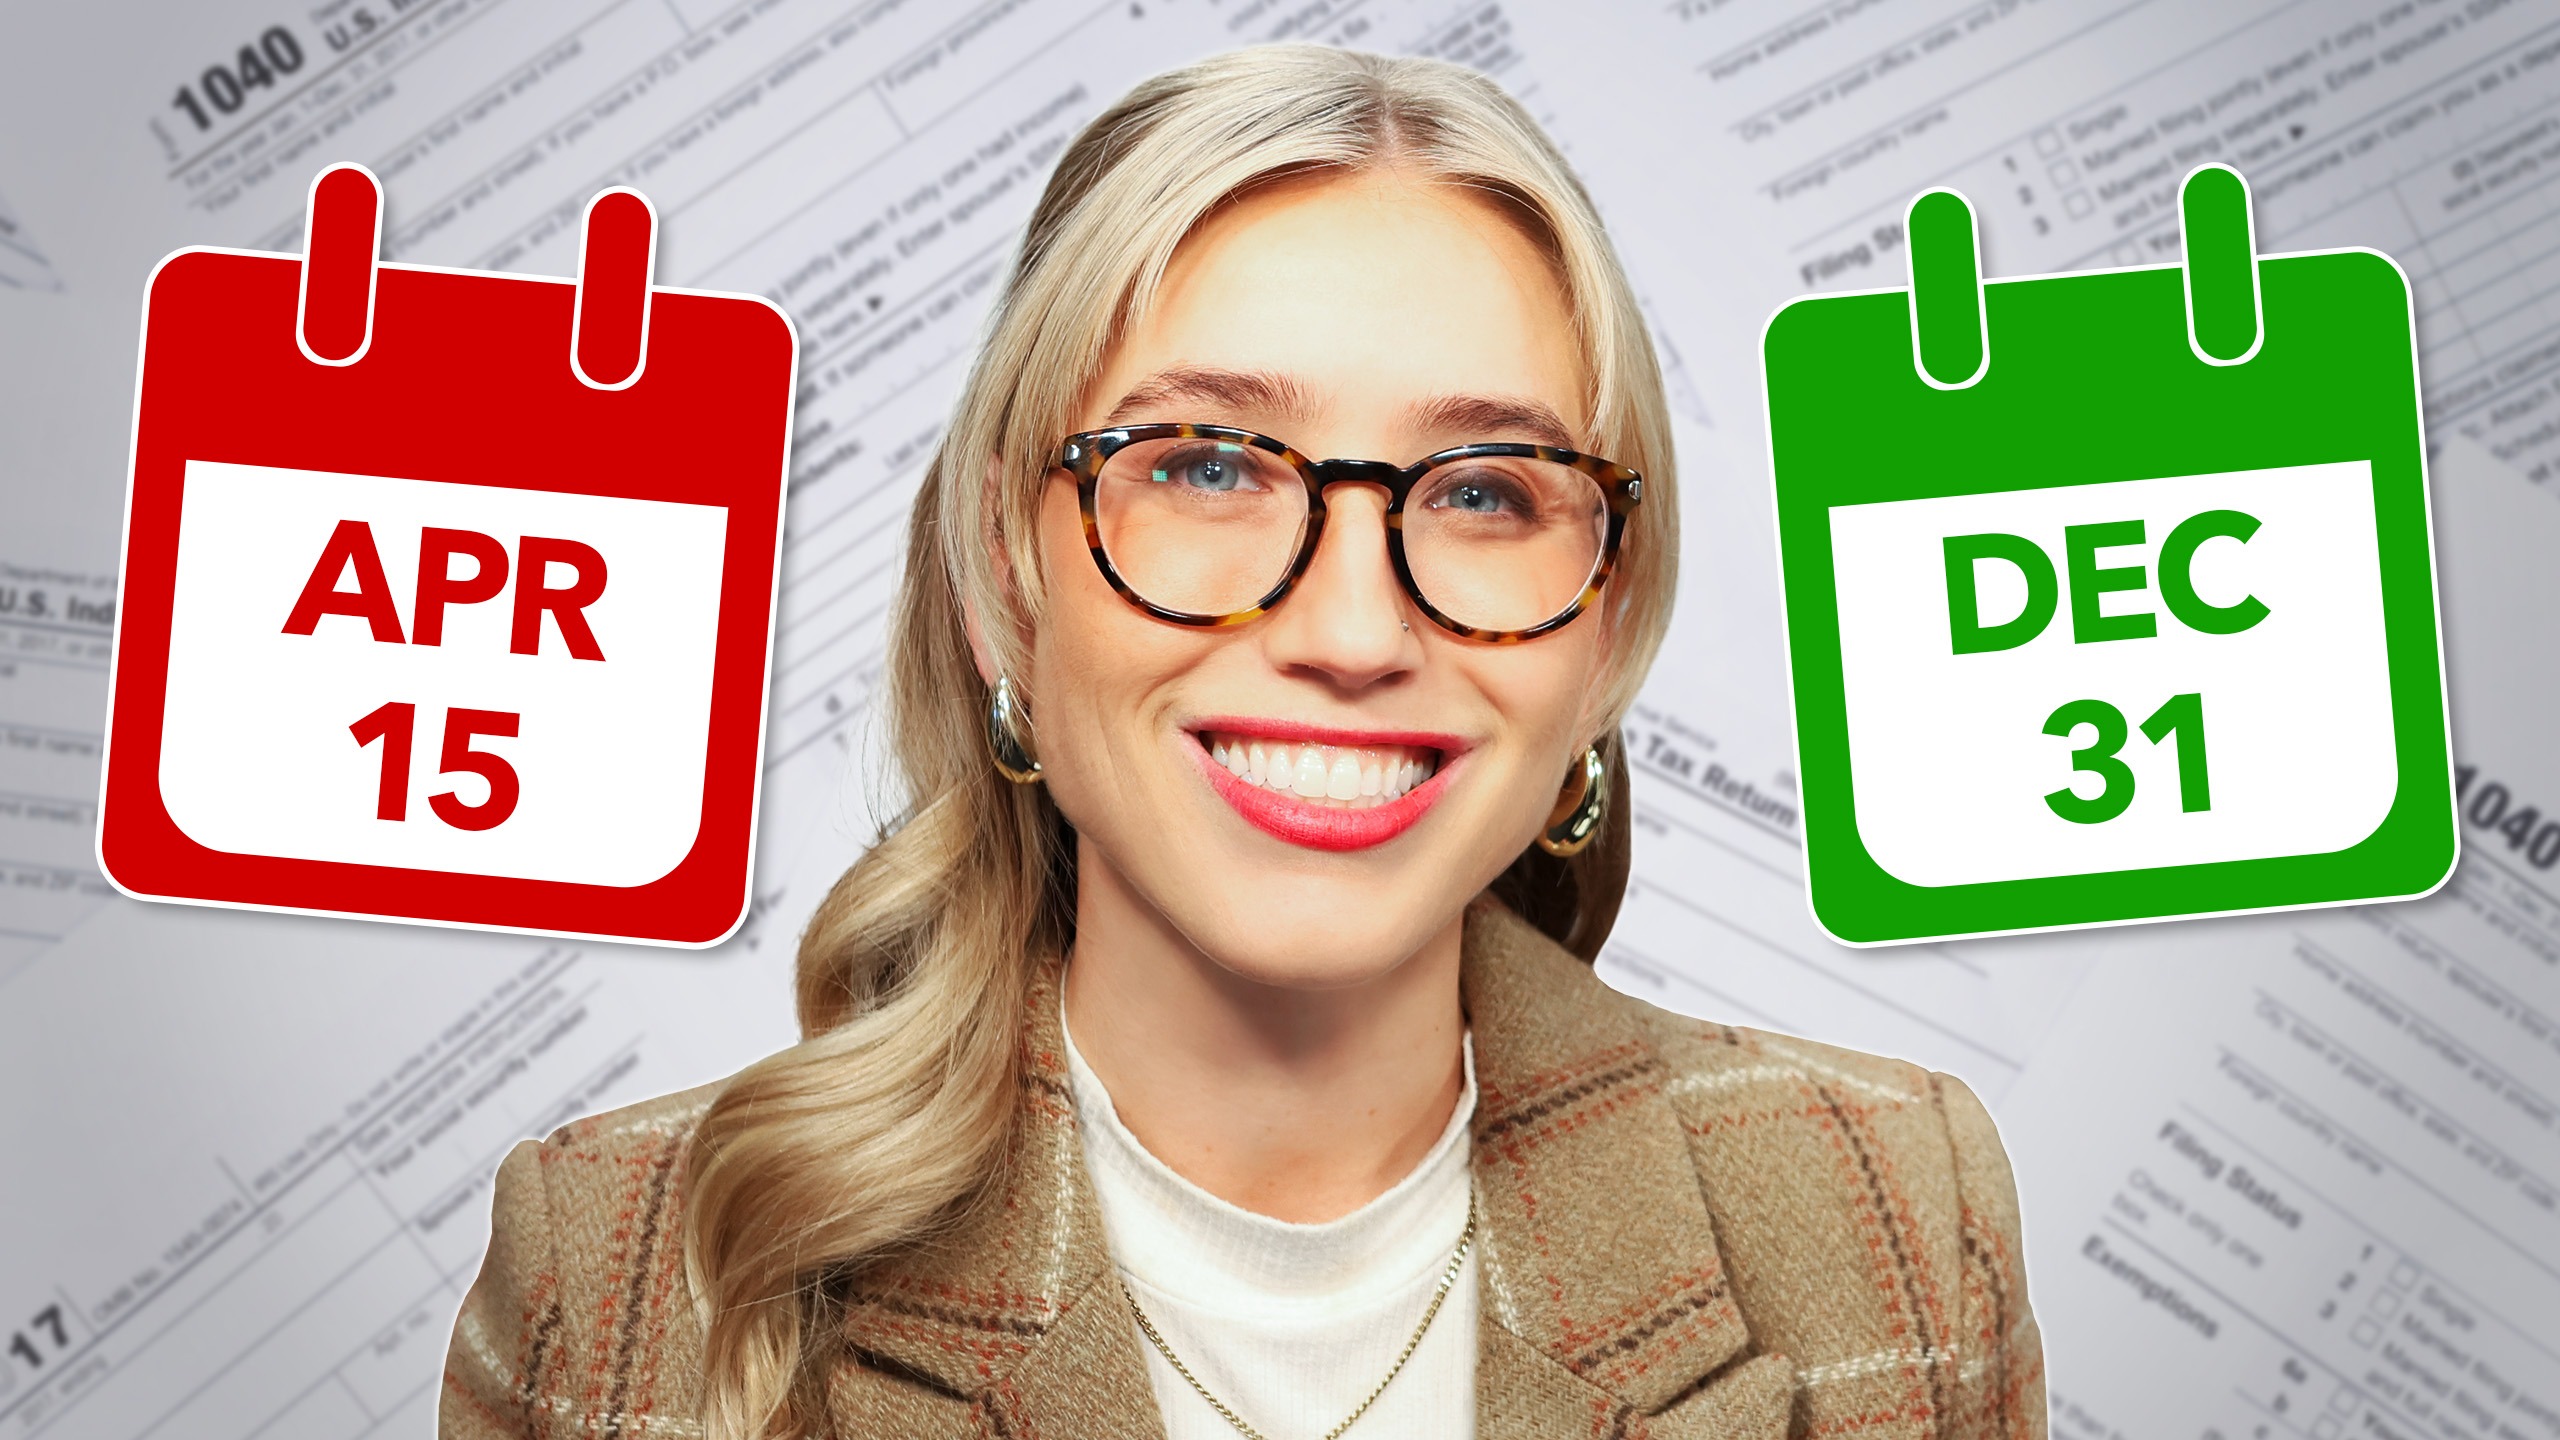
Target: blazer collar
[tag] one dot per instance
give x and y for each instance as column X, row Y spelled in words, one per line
column 1598, row 1250
column 1601, row 1290
column 1012, row 1314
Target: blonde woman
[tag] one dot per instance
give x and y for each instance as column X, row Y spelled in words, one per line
column 1210, row 1049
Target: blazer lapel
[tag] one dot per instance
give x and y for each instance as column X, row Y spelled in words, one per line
column 1604, row 1299
column 1011, row 1323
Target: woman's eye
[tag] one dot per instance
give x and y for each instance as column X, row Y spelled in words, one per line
column 1481, row 493
column 1221, row 471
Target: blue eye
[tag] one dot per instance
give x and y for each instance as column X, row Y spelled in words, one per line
column 1481, row 491
column 1219, row 472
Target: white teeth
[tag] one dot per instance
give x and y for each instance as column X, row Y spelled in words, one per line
column 1311, row 772
column 1351, row 777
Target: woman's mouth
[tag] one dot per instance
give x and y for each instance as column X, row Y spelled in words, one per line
column 1356, row 777
column 1324, row 790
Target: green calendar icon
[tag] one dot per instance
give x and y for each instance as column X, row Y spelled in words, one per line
column 2110, row 595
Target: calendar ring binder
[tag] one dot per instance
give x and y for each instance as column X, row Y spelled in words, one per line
column 609, row 319
column 609, row 326
column 1950, row 327
column 2226, row 318
column 342, row 238
column 1950, row 330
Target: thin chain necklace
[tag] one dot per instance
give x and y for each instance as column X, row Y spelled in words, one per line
column 1448, row 1277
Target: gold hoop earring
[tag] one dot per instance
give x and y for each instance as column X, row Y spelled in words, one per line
column 1014, row 759
column 1576, row 820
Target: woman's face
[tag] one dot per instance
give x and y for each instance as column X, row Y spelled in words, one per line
column 1374, row 316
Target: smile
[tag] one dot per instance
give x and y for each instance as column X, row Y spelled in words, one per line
column 1327, row 790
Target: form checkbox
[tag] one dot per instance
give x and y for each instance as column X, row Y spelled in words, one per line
column 2342, row 1400
column 2063, row 172
column 2386, row 1303
column 2404, row 1275
column 2366, row 1332
column 2077, row 204
column 2325, row 1428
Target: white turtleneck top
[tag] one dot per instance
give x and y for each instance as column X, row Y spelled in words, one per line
column 1292, row 1325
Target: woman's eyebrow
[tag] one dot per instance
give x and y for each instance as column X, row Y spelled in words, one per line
column 1259, row 393
column 1472, row 416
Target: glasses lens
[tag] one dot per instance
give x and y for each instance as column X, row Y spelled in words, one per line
column 1200, row 526
column 1504, row 542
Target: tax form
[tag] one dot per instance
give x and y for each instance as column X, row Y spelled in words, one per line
column 255, row 1182
column 55, row 631
column 2309, row 1166
column 2424, row 128
column 22, row 263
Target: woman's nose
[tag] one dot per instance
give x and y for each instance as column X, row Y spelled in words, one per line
column 1347, row 619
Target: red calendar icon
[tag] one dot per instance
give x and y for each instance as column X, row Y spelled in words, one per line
column 448, row 595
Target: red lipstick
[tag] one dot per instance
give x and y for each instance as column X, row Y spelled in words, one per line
column 1325, row 827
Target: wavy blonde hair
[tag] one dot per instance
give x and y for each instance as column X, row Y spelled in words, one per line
column 892, row 1114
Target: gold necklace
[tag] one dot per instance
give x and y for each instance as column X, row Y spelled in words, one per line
column 1448, row 1277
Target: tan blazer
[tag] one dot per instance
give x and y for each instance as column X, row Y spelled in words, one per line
column 1688, row 1230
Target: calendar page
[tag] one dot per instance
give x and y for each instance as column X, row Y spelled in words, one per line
column 442, row 676
column 2120, row 676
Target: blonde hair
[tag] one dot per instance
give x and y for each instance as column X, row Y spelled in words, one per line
column 892, row 1114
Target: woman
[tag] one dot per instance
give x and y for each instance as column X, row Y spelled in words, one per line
column 1211, row 1048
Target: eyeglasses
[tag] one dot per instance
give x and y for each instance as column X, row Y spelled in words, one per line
column 1204, row 525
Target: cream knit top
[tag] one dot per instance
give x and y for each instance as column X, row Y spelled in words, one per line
column 1292, row 1325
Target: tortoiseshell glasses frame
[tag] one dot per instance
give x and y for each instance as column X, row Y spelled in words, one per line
column 1083, row 455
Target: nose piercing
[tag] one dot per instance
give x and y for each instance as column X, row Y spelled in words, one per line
column 1407, row 624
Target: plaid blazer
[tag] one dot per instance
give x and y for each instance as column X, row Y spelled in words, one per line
column 1688, row 1230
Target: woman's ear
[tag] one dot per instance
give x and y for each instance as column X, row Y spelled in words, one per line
column 978, row 651
column 1595, row 684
